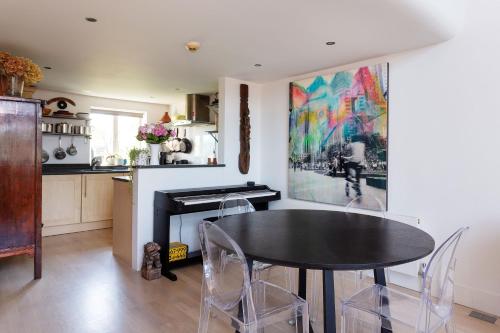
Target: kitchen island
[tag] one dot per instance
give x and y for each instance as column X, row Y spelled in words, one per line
column 122, row 218
column 123, row 203
column 148, row 179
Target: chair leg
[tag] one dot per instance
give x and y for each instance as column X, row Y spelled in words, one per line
column 450, row 326
column 289, row 279
column 256, row 275
column 305, row 321
column 343, row 324
column 204, row 317
column 315, row 285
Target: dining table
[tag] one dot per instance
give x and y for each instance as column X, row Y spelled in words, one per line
column 328, row 241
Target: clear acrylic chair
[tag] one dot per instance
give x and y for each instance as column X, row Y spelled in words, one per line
column 344, row 278
column 379, row 307
column 249, row 306
column 378, row 206
column 235, row 203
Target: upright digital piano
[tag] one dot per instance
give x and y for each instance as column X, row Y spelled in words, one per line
column 192, row 200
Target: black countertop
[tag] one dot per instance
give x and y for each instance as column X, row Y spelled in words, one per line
column 178, row 166
column 75, row 169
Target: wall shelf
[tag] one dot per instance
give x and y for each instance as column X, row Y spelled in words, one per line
column 212, row 135
column 66, row 134
column 65, row 118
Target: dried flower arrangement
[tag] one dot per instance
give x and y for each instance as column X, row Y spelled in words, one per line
column 20, row 67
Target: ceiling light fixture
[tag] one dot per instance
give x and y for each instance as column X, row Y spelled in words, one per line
column 330, row 43
column 91, row 19
column 258, row 65
column 192, row 46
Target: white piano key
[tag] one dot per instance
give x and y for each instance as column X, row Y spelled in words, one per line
column 201, row 199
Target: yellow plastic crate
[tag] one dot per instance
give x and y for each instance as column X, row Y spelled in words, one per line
column 177, row 251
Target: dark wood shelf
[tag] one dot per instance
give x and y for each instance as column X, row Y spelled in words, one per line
column 66, row 118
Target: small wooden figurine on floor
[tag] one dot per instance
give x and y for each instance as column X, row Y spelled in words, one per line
column 151, row 265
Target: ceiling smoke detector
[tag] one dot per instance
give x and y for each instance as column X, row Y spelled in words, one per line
column 192, row 46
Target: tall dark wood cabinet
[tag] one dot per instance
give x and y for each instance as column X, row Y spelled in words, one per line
column 21, row 179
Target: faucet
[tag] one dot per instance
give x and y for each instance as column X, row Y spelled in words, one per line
column 96, row 161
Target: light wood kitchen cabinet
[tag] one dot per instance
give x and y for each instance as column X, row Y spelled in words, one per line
column 61, row 200
column 97, row 197
column 74, row 203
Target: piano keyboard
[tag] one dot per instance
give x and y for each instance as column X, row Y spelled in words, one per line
column 208, row 198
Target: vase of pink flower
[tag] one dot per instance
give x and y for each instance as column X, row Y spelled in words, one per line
column 154, row 134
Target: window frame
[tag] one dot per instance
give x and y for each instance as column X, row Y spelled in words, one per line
column 115, row 113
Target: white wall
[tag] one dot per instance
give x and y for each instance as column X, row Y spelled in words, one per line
column 443, row 123
column 84, row 104
column 146, row 181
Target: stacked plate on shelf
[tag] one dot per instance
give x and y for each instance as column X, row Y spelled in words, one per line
column 83, row 115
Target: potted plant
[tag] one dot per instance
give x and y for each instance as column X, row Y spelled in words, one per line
column 154, row 134
column 138, row 156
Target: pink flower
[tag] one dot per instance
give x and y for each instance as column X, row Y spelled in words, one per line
column 154, row 133
column 159, row 130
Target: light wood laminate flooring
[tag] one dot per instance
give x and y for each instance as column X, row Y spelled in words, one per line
column 85, row 289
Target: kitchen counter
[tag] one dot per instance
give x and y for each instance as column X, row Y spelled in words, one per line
column 75, row 169
column 178, row 166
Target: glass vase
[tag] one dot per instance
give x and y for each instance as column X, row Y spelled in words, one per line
column 16, row 86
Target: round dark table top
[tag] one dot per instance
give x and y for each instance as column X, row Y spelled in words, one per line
column 321, row 239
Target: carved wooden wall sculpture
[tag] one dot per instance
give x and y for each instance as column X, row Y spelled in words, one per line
column 244, row 157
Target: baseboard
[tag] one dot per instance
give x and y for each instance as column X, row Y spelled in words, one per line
column 478, row 299
column 77, row 227
column 473, row 298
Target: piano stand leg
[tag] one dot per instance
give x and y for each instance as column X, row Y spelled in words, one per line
column 169, row 275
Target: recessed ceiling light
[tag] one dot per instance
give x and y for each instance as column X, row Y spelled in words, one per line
column 330, row 43
column 47, row 67
column 192, row 46
column 258, row 65
column 91, row 19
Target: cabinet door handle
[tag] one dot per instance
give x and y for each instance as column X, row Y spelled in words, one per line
column 85, row 193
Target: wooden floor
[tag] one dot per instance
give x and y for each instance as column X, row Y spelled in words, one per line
column 85, row 289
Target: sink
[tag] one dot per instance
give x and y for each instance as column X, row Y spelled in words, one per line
column 97, row 170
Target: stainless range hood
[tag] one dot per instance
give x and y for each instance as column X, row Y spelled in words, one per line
column 198, row 112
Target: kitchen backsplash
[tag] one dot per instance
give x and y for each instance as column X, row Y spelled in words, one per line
column 203, row 144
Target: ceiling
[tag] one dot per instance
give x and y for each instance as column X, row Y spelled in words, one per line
column 136, row 49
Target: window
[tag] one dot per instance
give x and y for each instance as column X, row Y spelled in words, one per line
column 114, row 131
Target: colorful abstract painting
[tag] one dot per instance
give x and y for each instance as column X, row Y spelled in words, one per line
column 338, row 138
